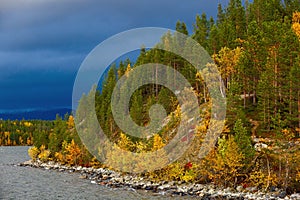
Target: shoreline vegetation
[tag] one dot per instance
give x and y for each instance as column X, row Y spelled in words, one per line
column 256, row 48
column 112, row 179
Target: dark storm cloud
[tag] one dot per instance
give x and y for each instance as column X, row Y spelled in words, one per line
column 74, row 25
column 43, row 42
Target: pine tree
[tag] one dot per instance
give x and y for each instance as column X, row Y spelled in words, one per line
column 243, row 140
column 224, row 164
column 236, row 14
column 201, row 29
column 136, row 107
column 181, row 27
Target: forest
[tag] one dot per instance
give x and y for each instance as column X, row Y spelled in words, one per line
column 256, row 47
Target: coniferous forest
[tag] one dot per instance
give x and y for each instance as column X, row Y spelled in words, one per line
column 256, row 47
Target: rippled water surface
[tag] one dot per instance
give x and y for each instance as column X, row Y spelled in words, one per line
column 32, row 183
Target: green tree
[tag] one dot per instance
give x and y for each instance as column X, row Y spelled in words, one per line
column 243, row 140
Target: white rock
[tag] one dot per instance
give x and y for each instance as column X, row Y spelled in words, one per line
column 239, row 188
column 29, row 162
column 260, row 146
column 256, row 140
column 295, row 196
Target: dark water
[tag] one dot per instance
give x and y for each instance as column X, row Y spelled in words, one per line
column 31, row 183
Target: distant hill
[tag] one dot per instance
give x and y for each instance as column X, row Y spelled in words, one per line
column 42, row 114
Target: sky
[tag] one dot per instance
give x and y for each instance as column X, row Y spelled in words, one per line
column 44, row 42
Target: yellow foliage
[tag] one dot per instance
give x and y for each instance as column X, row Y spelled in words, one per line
column 27, row 124
column 95, row 163
column 118, row 159
column 157, row 142
column 296, row 17
column 128, row 157
column 124, row 142
column 227, row 60
column 296, row 157
column 33, row 152
column 223, row 165
column 70, row 122
column 6, row 134
column 188, row 176
column 178, row 112
column 42, row 148
column 298, row 176
column 29, row 142
column 44, row 154
column 64, row 145
column 260, row 178
column 128, row 69
column 59, row 157
column 73, row 153
column 175, row 171
column 21, row 140
column 296, row 23
column 140, row 147
column 8, row 142
column 288, row 135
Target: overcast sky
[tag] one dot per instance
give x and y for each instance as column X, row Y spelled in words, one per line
column 43, row 42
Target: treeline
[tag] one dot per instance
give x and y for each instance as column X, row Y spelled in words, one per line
column 256, row 49
column 23, row 132
column 61, row 144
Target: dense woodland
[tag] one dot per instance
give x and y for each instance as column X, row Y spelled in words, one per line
column 256, row 47
column 16, row 133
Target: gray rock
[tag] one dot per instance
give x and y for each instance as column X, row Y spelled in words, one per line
column 273, row 189
column 251, row 189
column 182, row 189
column 282, row 194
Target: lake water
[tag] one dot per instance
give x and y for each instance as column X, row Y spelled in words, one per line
column 32, row 183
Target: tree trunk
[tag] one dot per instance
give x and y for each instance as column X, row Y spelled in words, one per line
column 254, row 92
column 298, row 108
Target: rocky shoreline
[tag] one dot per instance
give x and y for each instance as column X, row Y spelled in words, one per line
column 114, row 179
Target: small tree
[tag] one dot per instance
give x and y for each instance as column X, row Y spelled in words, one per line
column 33, row 152
column 243, row 140
column 223, row 165
column 73, row 153
column 44, row 154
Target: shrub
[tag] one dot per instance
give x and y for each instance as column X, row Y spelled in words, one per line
column 44, row 154
column 33, row 152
